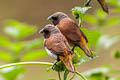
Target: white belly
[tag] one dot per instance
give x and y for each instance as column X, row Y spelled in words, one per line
column 50, row 53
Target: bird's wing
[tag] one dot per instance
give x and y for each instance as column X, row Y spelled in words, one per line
column 71, row 30
column 57, row 43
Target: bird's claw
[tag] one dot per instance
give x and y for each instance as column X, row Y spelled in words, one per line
column 54, row 64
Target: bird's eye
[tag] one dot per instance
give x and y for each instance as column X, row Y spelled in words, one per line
column 55, row 18
column 46, row 31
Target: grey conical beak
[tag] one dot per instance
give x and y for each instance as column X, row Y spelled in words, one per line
column 41, row 31
column 49, row 18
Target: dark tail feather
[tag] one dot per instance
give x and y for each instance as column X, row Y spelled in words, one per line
column 83, row 45
column 88, row 52
column 67, row 60
column 104, row 5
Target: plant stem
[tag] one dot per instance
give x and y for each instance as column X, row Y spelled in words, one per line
column 80, row 21
column 84, row 78
column 26, row 63
column 66, row 74
column 59, row 75
column 72, row 76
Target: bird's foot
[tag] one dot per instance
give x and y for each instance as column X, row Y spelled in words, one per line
column 54, row 64
column 73, row 48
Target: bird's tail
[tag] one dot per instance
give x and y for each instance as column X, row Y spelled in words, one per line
column 104, row 5
column 84, row 46
column 67, row 60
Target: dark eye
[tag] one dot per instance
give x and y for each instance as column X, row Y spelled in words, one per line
column 54, row 18
column 46, row 31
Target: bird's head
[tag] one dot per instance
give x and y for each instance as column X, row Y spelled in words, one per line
column 49, row 30
column 55, row 18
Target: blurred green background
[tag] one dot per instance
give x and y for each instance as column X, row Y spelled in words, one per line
column 20, row 21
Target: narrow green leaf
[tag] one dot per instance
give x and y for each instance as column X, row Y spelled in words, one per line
column 59, row 67
column 107, row 42
column 4, row 41
column 100, row 14
column 33, row 44
column 12, row 73
column 118, row 78
column 5, row 56
column 90, row 19
column 18, row 30
column 116, row 10
column 114, row 2
column 112, row 21
column 16, row 47
column 103, row 70
column 34, row 55
column 79, row 57
column 48, row 69
column 116, row 54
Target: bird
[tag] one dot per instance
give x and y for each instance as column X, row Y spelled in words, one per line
column 57, row 46
column 71, row 31
column 102, row 3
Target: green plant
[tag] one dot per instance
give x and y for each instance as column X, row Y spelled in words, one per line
column 15, row 48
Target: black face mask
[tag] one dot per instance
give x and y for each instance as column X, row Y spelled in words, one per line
column 46, row 34
column 55, row 20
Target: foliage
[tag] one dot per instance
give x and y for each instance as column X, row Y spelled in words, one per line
column 116, row 54
column 16, row 45
column 79, row 13
column 16, row 48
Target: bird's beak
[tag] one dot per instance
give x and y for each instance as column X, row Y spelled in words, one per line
column 49, row 18
column 41, row 31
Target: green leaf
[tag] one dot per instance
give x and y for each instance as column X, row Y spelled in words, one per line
column 116, row 54
column 92, row 35
column 23, row 45
column 34, row 55
column 79, row 57
column 78, row 12
column 2, row 78
column 112, row 21
column 4, row 41
column 48, row 69
column 59, row 67
column 18, row 30
column 33, row 44
column 12, row 46
column 97, row 76
column 107, row 42
column 5, row 56
column 116, row 10
column 117, row 78
column 12, row 73
column 100, row 14
column 114, row 2
column 90, row 19
column 97, row 70
column 16, row 47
